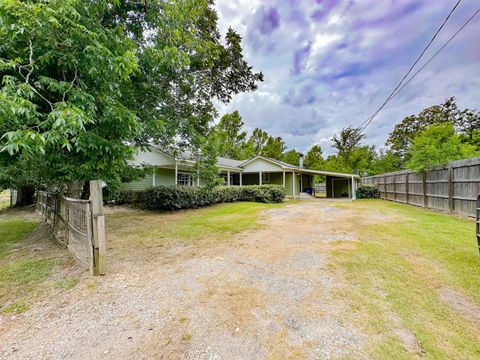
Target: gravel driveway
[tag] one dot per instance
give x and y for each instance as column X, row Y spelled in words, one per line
column 268, row 293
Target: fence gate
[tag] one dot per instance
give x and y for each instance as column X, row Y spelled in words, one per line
column 79, row 240
column 79, row 225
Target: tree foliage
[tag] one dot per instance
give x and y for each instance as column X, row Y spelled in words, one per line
column 437, row 145
column 82, row 82
column 314, row 158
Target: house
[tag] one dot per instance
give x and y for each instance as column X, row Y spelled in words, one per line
column 259, row 170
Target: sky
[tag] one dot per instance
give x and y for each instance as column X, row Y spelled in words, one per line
column 329, row 64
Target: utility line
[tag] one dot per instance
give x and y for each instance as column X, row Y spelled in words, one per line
column 364, row 124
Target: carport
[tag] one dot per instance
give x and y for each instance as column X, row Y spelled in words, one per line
column 338, row 185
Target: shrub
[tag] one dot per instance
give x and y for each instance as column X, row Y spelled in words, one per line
column 188, row 197
column 368, row 192
column 130, row 197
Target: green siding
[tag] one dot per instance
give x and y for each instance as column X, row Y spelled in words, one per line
column 138, row 185
column 164, row 177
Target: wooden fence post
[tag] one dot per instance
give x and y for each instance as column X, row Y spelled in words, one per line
column 385, row 187
column 424, row 183
column 394, row 188
column 450, row 189
column 477, row 227
column 406, row 187
column 98, row 220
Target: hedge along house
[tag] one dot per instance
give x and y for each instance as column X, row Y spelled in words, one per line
column 259, row 170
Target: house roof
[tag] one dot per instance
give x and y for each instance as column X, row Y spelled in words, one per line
column 285, row 165
column 240, row 164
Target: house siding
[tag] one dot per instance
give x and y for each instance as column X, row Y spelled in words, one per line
column 138, row 185
column 164, row 177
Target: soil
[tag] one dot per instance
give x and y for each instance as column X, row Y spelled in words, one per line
column 267, row 293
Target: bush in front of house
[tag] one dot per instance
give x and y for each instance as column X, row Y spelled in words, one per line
column 188, row 197
column 368, row 192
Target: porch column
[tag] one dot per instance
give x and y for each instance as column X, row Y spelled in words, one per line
column 240, row 178
column 293, row 183
column 228, row 177
column 198, row 178
column 153, row 178
column 301, row 182
column 260, row 178
column 283, row 178
column 354, row 189
column 176, row 173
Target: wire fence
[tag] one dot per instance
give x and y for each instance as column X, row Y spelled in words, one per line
column 71, row 221
column 453, row 188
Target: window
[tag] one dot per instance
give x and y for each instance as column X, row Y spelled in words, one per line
column 265, row 177
column 184, row 179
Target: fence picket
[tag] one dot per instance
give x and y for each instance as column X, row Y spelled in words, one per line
column 453, row 188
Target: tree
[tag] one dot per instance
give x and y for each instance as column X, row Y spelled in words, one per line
column 82, row 82
column 352, row 156
column 347, row 140
column 437, row 146
column 401, row 137
column 386, row 161
column 258, row 140
column 314, row 158
column 292, row 157
column 230, row 136
column 469, row 126
column 60, row 103
column 274, row 148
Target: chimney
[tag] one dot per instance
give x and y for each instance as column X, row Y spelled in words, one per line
column 301, row 161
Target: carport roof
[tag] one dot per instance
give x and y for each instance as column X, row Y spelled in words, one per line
column 287, row 166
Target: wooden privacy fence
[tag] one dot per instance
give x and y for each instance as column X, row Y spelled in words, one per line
column 477, row 227
column 453, row 188
column 79, row 225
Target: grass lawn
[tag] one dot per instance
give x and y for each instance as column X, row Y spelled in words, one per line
column 415, row 274
column 131, row 227
column 28, row 258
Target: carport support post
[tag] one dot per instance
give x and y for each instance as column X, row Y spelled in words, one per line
column 176, row 173
column 354, row 189
column 293, row 183
column 283, row 178
column 98, row 220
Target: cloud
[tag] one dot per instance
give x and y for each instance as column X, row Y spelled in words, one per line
column 331, row 63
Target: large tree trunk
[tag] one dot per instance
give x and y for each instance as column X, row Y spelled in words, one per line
column 25, row 195
column 74, row 189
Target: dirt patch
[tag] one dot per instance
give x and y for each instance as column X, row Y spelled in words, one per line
column 408, row 340
column 461, row 304
column 266, row 293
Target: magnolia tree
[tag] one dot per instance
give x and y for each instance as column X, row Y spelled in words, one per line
column 84, row 82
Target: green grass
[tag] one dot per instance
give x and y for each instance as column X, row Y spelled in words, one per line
column 67, row 283
column 396, row 273
column 11, row 232
column 206, row 224
column 15, row 308
column 20, row 272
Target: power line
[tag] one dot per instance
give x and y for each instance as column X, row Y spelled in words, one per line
column 439, row 50
column 369, row 119
column 360, row 129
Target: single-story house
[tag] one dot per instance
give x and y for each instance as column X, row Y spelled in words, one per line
column 181, row 170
